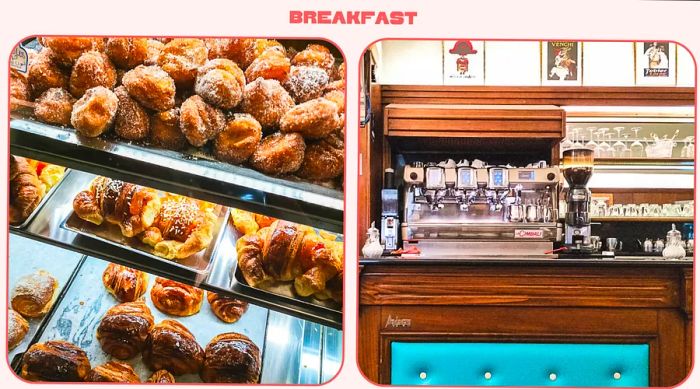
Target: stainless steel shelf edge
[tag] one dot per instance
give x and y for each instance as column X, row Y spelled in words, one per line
column 46, row 227
column 171, row 171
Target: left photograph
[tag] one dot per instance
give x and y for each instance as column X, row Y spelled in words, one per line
column 176, row 209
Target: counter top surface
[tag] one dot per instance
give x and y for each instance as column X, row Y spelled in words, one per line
column 534, row 260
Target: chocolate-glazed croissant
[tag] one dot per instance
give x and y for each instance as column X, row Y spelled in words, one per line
column 176, row 298
column 172, row 347
column 161, row 377
column 113, row 372
column 55, row 360
column 125, row 283
column 231, row 357
column 228, row 309
column 123, row 330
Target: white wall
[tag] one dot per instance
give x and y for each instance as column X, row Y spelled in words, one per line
column 512, row 63
column 516, row 63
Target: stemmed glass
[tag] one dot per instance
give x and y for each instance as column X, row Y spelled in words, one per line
column 591, row 144
column 619, row 148
column 605, row 150
column 577, row 138
column 636, row 148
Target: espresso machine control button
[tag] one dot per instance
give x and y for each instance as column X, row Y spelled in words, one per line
column 551, row 176
column 414, row 176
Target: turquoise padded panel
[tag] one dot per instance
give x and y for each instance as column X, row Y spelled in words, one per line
column 519, row 364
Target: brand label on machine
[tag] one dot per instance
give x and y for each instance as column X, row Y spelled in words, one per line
column 529, row 234
column 396, row 322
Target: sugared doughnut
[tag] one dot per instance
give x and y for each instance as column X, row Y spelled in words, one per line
column 267, row 101
column 92, row 69
column 314, row 119
column 271, row 64
column 94, row 113
column 19, row 89
column 238, row 140
column 165, row 130
column 323, row 160
column 279, row 154
column 151, row 86
column 220, row 82
column 127, row 53
column 181, row 57
column 199, row 121
column 132, row 122
column 54, row 106
column 44, row 73
column 306, row 83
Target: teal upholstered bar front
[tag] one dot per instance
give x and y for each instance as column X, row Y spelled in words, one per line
column 519, row 364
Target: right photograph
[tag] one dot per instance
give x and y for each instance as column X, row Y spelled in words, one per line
column 526, row 213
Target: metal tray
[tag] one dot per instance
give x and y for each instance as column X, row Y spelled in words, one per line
column 199, row 263
column 30, row 257
column 79, row 313
column 43, row 201
column 281, row 293
column 177, row 172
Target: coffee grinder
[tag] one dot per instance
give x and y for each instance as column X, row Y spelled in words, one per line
column 390, row 212
column 577, row 167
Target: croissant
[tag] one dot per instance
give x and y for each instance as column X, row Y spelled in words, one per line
column 183, row 227
column 34, row 294
column 172, row 347
column 123, row 330
column 231, row 358
column 248, row 222
column 17, row 328
column 55, row 360
column 26, row 191
column 287, row 251
column 132, row 207
column 176, row 298
column 161, row 377
column 113, row 372
column 227, row 309
column 125, row 283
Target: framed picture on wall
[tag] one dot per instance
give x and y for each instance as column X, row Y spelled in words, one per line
column 562, row 63
column 463, row 62
column 655, row 63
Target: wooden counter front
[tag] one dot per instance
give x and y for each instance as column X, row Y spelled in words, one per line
column 511, row 302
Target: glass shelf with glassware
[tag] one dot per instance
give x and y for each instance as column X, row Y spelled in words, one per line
column 639, row 141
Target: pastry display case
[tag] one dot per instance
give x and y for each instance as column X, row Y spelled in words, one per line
column 186, row 184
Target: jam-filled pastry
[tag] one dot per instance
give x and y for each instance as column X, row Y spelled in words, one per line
column 287, row 251
column 183, row 227
column 55, row 360
column 172, row 347
column 34, row 294
column 227, row 309
column 132, row 207
column 231, row 358
column 176, row 298
column 124, row 283
column 123, row 330
column 161, row 377
column 113, row 372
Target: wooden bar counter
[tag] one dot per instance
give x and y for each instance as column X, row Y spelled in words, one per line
column 626, row 300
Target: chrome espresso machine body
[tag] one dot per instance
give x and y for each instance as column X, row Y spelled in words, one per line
column 461, row 210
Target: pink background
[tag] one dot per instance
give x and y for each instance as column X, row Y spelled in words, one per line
column 563, row 19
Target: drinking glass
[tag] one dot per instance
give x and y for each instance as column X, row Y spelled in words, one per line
column 605, row 149
column 636, row 148
column 619, row 148
column 591, row 144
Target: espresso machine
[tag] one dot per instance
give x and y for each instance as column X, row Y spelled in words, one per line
column 460, row 209
column 577, row 168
